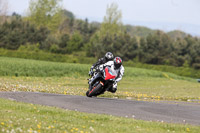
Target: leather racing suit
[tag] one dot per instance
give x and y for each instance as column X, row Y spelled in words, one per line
column 119, row 71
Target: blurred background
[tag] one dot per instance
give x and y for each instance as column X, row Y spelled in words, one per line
column 152, row 32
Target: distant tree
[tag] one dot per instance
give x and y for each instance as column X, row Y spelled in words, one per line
column 112, row 23
column 48, row 42
column 3, row 10
column 142, row 49
column 63, row 43
column 67, row 14
column 45, row 13
column 75, row 43
column 18, row 32
column 78, row 25
column 86, row 25
column 130, row 48
column 54, row 48
column 16, row 16
column 110, row 29
column 67, row 25
column 155, row 49
column 193, row 50
column 65, row 38
column 93, row 27
column 139, row 31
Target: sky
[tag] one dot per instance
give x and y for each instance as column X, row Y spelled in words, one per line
column 166, row 15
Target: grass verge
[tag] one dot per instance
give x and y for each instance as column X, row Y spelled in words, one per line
column 22, row 117
column 139, row 88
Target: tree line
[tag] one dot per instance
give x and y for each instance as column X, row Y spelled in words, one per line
column 56, row 30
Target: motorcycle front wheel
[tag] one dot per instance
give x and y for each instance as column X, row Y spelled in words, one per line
column 94, row 90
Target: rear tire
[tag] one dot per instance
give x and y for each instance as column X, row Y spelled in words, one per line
column 94, row 91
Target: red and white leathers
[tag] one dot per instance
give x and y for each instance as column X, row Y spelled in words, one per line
column 118, row 72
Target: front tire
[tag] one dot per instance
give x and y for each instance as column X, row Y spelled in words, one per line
column 94, row 91
column 87, row 93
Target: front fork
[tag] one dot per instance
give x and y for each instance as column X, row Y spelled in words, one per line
column 91, row 80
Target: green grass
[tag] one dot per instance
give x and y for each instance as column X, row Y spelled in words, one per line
column 23, row 67
column 161, row 89
column 77, row 57
column 67, row 78
column 71, row 79
column 80, row 57
column 139, row 88
column 21, row 117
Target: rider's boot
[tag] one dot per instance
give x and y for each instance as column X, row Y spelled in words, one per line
column 111, row 89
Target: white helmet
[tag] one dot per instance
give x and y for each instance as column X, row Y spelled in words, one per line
column 109, row 56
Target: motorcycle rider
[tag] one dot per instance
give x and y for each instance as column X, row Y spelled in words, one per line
column 108, row 57
column 118, row 67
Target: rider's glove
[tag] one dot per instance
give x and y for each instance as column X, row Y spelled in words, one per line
column 90, row 72
column 115, row 84
column 91, row 67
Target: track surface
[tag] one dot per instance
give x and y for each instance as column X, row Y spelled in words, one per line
column 173, row 113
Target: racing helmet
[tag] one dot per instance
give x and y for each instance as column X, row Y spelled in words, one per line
column 117, row 62
column 109, row 56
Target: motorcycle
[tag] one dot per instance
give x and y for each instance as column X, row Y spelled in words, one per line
column 103, row 79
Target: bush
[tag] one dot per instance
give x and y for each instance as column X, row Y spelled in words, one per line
column 54, row 48
column 29, row 47
column 196, row 65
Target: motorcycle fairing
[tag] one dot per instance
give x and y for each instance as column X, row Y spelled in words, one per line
column 108, row 74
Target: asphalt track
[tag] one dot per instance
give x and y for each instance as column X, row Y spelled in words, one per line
column 152, row 111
